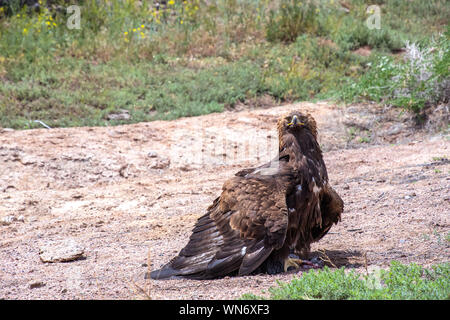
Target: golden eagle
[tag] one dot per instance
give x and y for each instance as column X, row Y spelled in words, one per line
column 264, row 213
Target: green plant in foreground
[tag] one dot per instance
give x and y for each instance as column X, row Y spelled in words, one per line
column 398, row 282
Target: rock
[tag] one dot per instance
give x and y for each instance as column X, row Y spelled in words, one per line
column 6, row 221
column 21, row 218
column 152, row 154
column 186, row 167
column 160, row 164
column 26, row 160
column 61, row 251
column 36, row 284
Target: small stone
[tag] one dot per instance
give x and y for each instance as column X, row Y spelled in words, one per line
column 160, row 164
column 27, row 160
column 61, row 251
column 6, row 221
column 186, row 167
column 152, row 154
column 36, row 284
column 21, row 218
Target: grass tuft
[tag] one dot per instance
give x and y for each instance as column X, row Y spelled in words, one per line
column 399, row 282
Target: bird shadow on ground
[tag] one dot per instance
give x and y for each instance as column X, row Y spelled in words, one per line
column 340, row 258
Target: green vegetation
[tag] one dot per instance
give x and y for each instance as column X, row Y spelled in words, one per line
column 194, row 57
column 419, row 82
column 399, row 282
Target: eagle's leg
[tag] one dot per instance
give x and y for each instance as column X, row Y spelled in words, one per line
column 298, row 263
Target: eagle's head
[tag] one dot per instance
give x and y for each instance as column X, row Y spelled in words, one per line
column 298, row 124
column 297, row 134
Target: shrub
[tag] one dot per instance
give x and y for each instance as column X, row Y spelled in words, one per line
column 398, row 282
column 293, row 18
column 421, row 79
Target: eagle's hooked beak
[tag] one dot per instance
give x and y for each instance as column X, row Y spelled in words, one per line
column 295, row 121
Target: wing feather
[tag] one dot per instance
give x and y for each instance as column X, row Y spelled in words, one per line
column 239, row 231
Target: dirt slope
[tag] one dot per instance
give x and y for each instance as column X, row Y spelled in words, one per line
column 130, row 193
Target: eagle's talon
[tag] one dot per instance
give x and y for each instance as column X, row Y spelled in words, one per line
column 298, row 263
column 291, row 262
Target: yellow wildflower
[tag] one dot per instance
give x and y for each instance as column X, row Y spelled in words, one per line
column 25, row 31
column 142, row 35
column 181, row 21
column 142, row 26
column 125, row 33
column 171, row 2
column 134, row 29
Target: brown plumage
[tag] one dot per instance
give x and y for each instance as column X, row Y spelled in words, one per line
column 264, row 213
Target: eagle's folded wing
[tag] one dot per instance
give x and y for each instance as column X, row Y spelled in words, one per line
column 331, row 207
column 238, row 232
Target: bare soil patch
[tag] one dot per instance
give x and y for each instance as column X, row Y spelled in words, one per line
column 130, row 195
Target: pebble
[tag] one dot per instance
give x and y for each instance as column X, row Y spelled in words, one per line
column 160, row 164
column 36, row 284
column 152, row 154
column 61, row 251
column 6, row 221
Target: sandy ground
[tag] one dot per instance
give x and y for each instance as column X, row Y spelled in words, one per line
column 131, row 194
